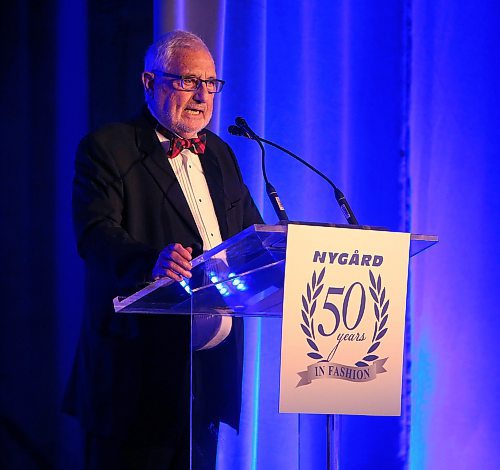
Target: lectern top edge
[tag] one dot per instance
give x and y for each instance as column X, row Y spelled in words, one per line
column 244, row 258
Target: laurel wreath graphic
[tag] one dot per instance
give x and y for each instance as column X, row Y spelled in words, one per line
column 380, row 305
column 308, row 308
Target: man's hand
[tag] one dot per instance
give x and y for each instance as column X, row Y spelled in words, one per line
column 174, row 262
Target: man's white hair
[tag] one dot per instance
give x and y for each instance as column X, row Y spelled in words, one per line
column 159, row 55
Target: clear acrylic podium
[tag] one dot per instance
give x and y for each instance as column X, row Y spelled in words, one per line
column 234, row 303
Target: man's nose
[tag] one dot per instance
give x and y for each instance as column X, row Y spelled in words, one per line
column 202, row 93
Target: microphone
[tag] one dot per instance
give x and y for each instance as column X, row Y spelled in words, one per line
column 235, row 130
column 242, row 124
column 243, row 129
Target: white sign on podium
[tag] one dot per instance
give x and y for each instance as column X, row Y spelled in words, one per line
column 343, row 321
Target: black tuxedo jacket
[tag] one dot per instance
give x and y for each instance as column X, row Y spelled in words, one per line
column 131, row 372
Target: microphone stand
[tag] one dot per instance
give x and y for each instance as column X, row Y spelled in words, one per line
column 244, row 130
column 339, row 195
column 270, row 190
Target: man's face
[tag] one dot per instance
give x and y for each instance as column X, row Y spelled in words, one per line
column 183, row 112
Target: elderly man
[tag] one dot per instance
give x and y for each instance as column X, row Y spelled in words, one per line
column 148, row 196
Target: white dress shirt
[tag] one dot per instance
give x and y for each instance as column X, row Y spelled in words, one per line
column 189, row 173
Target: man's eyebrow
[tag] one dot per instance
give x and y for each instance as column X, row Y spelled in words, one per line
column 192, row 75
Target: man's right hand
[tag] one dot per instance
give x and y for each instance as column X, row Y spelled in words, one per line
column 174, row 262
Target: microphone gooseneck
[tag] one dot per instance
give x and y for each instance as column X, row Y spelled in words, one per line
column 339, row 195
column 243, row 129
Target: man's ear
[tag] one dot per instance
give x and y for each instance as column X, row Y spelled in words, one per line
column 148, row 81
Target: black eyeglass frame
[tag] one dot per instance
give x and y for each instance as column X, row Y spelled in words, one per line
column 219, row 84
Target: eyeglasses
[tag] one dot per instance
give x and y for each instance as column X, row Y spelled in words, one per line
column 190, row 83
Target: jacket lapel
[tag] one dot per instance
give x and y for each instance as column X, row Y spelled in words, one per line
column 213, row 175
column 155, row 162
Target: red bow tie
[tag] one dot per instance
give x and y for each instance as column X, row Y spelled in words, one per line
column 196, row 145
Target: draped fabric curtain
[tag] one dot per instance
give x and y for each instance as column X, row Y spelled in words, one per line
column 455, row 174
column 397, row 102
column 68, row 66
column 28, row 378
column 328, row 80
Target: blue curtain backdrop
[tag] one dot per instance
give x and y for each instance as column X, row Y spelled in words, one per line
column 396, row 101
column 328, row 81
column 455, row 174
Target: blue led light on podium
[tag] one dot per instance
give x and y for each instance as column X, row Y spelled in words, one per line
column 237, row 282
column 186, row 287
column 225, row 288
